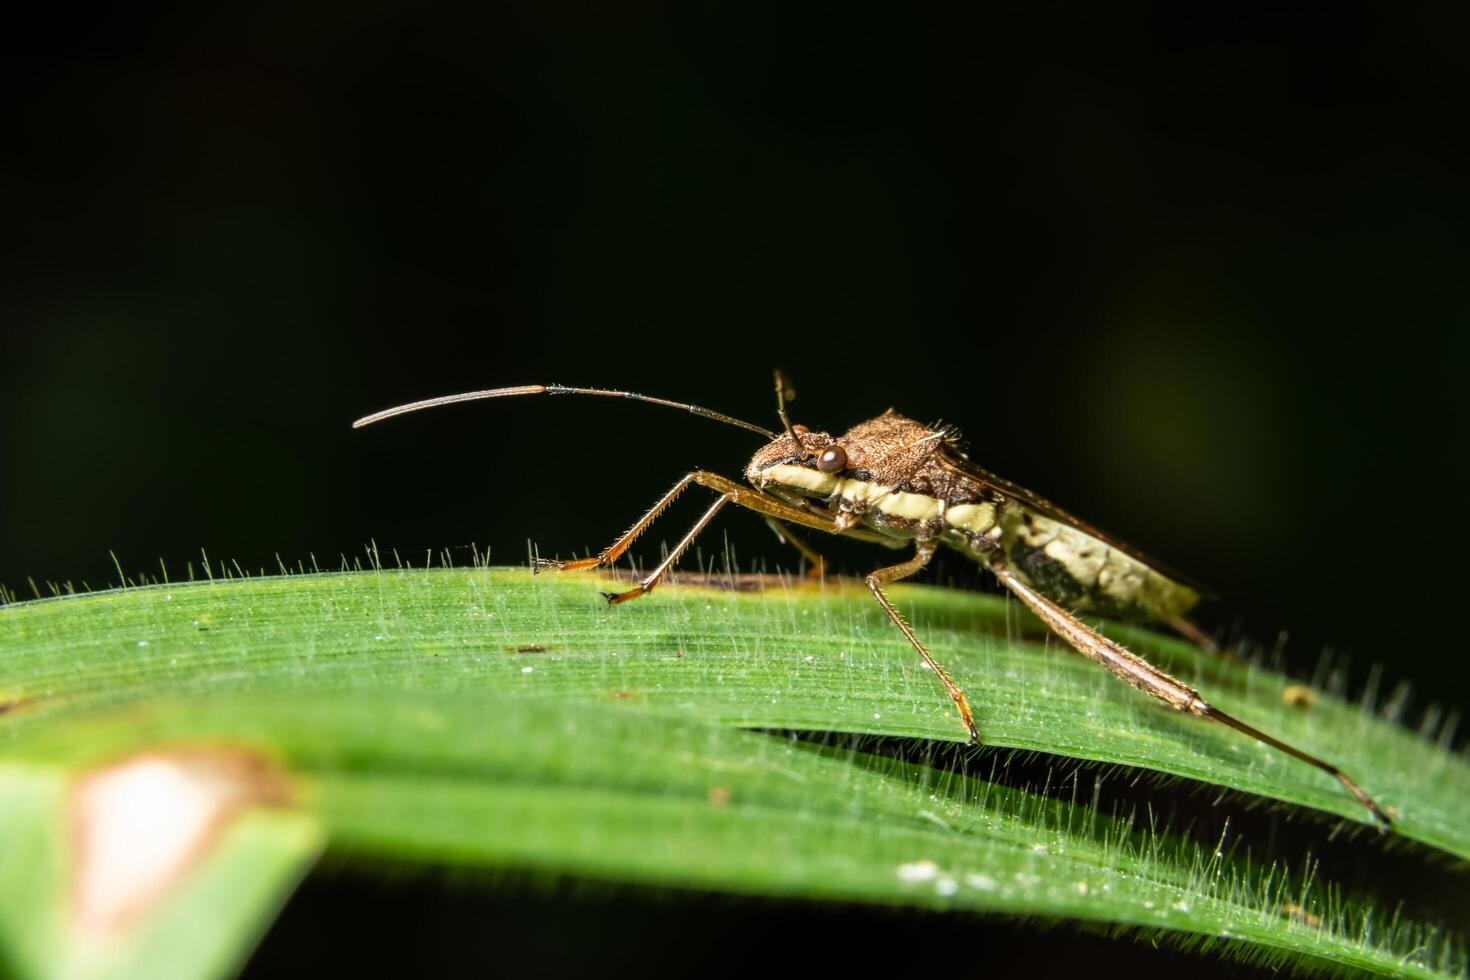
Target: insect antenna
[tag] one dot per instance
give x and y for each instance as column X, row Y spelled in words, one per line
column 473, row 396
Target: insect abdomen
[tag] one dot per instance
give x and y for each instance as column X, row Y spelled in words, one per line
column 1073, row 568
column 1065, row 564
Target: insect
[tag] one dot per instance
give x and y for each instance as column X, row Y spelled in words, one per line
column 894, row 481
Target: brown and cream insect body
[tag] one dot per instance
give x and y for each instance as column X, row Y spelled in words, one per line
column 905, row 480
column 894, row 481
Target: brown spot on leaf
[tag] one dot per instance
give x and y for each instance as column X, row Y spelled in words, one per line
column 1296, row 913
column 139, row 825
column 1298, row 696
column 623, row 694
column 528, row 648
column 719, row 795
column 10, row 705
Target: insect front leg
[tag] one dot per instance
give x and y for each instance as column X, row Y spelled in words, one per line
column 830, row 515
column 730, row 493
column 614, row 551
column 646, row 586
column 924, row 550
column 1147, row 678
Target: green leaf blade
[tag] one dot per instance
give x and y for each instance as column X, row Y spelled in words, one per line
column 486, row 718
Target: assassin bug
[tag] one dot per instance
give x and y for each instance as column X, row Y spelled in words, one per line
column 892, row 480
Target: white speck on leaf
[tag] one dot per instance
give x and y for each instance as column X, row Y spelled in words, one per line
column 983, row 882
column 917, row 871
column 527, row 670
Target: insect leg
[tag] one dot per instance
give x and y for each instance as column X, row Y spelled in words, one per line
column 855, row 533
column 615, row 550
column 764, row 503
column 745, row 496
column 816, row 565
column 730, row 493
column 1195, row 635
column 1147, row 678
column 924, row 550
column 652, row 578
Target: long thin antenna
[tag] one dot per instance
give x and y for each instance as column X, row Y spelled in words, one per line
column 474, row 396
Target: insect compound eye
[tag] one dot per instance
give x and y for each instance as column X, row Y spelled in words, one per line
column 834, row 459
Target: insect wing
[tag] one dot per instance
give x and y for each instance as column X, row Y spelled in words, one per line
column 960, row 463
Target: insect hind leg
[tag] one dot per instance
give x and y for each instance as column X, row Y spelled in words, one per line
column 1143, row 675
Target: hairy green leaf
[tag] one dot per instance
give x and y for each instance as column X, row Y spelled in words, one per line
column 485, row 718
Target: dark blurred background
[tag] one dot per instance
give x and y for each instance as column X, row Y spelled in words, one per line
column 1199, row 278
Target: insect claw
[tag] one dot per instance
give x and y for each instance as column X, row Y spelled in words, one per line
column 1381, row 819
column 613, row 598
